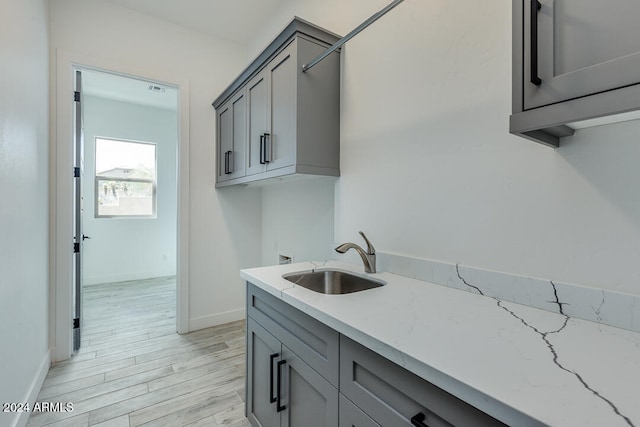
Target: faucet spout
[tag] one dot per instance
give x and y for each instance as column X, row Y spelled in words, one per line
column 368, row 257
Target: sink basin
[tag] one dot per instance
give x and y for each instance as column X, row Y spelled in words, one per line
column 332, row 281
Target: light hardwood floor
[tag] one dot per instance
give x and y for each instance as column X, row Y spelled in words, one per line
column 134, row 369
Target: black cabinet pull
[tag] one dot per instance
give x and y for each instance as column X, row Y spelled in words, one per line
column 262, row 149
column 227, row 162
column 272, row 398
column 279, row 408
column 418, row 420
column 267, row 142
column 535, row 7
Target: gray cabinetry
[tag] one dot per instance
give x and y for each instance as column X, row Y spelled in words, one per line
column 308, row 399
column 314, row 341
column 392, row 396
column 232, row 135
column 263, row 352
column 573, row 60
column 352, row 416
column 317, row 377
column 282, row 390
column 293, row 118
column 291, row 359
column 257, row 98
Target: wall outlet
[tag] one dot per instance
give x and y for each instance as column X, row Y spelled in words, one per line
column 285, row 259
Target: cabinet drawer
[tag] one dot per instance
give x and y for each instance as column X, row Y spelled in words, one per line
column 391, row 395
column 314, row 342
column 352, row 416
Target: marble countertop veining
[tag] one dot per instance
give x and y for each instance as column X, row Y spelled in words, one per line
column 522, row 365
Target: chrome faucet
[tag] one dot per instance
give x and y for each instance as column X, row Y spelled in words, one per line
column 368, row 258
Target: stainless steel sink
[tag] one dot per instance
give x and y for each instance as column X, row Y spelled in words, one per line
column 332, row 281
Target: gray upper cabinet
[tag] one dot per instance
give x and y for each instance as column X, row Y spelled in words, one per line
column 232, row 134
column 257, row 97
column 573, row 60
column 292, row 118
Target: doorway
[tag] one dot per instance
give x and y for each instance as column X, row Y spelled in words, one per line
column 128, row 186
column 62, row 191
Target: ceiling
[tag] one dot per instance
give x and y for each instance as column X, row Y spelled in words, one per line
column 237, row 21
column 126, row 89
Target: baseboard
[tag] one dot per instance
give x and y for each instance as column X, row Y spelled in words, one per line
column 34, row 389
column 216, row 319
column 114, row 278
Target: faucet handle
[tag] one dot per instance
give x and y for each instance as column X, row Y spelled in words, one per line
column 370, row 249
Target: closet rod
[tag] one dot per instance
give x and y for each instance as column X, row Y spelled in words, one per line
column 349, row 36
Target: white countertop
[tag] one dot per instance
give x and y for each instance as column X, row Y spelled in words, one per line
column 521, row 365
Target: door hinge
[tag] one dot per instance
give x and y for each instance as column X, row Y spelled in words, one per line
column 76, row 248
column 76, row 172
column 76, row 323
column 76, row 96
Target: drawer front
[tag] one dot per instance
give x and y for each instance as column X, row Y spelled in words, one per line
column 352, row 416
column 312, row 341
column 392, row 396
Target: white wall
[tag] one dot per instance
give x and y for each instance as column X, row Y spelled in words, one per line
column 297, row 220
column 130, row 248
column 224, row 226
column 24, row 261
column 428, row 166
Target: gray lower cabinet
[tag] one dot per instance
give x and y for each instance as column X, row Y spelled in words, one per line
column 308, row 399
column 313, row 341
column 263, row 352
column 282, row 390
column 352, row 416
column 300, row 372
column 573, row 60
column 393, row 396
column 292, row 121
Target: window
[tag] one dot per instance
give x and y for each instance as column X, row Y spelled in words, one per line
column 125, row 178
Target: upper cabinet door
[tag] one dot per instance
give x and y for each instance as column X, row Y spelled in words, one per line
column 225, row 135
column 257, row 93
column 232, row 134
column 583, row 47
column 236, row 159
column 282, row 76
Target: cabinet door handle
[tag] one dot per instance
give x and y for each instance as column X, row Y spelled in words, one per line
column 229, row 159
column 226, row 162
column 267, row 148
column 279, row 408
column 418, row 420
column 535, row 7
column 272, row 398
column 262, row 149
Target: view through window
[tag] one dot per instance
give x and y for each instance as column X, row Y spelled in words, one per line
column 125, row 178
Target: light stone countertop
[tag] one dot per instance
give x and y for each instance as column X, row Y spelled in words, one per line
column 521, row 365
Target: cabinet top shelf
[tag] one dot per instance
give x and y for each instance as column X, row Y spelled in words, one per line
column 296, row 26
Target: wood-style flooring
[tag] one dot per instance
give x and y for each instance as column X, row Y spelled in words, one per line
column 133, row 368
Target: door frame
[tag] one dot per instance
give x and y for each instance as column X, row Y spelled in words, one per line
column 61, row 191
